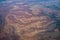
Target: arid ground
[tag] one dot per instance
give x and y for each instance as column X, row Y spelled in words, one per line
column 30, row 20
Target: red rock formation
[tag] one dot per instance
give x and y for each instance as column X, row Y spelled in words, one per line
column 25, row 23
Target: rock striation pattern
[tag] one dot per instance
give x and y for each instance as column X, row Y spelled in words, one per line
column 25, row 21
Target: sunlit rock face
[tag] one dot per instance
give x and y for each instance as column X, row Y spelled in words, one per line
column 29, row 20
